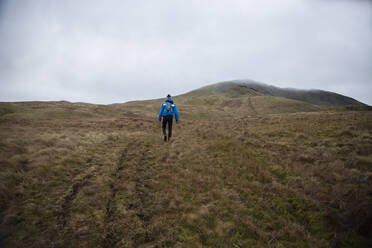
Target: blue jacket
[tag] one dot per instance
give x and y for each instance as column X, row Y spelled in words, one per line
column 172, row 111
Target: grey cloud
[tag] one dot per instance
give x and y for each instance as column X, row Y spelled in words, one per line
column 114, row 51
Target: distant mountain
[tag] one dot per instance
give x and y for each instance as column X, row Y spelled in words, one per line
column 230, row 99
column 238, row 88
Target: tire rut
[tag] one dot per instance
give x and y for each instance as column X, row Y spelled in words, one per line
column 109, row 229
column 142, row 200
column 70, row 196
column 133, row 227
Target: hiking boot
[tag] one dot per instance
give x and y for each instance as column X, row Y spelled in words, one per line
column 165, row 138
column 169, row 138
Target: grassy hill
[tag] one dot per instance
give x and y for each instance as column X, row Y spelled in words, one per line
column 244, row 169
column 238, row 88
column 228, row 100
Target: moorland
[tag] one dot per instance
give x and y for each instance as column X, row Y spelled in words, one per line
column 245, row 168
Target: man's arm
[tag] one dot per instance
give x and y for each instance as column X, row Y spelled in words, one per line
column 176, row 112
column 161, row 111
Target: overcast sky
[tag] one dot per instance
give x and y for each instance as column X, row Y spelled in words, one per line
column 114, row 51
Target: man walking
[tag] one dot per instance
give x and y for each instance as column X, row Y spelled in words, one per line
column 168, row 109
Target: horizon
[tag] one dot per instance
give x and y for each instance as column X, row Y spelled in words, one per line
column 236, row 81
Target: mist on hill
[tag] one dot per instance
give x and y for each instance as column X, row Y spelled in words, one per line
column 237, row 88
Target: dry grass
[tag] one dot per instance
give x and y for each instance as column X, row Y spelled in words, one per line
column 106, row 179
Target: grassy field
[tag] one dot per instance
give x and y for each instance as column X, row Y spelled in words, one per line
column 240, row 172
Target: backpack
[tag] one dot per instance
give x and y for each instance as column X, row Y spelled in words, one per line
column 168, row 106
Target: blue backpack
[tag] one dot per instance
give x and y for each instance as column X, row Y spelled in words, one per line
column 168, row 106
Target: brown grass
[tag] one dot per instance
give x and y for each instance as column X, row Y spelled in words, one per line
column 108, row 180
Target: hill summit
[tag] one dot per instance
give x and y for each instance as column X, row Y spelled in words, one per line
column 238, row 88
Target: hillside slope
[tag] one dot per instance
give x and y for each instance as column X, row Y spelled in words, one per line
column 230, row 99
column 237, row 88
column 85, row 175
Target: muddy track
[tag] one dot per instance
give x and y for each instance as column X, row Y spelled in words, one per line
column 251, row 106
column 139, row 202
column 142, row 199
column 70, row 196
column 109, row 232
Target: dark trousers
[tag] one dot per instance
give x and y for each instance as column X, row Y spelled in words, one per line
column 167, row 119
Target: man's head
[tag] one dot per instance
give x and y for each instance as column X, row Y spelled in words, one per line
column 169, row 98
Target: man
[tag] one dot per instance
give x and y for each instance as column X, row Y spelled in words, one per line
column 168, row 109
